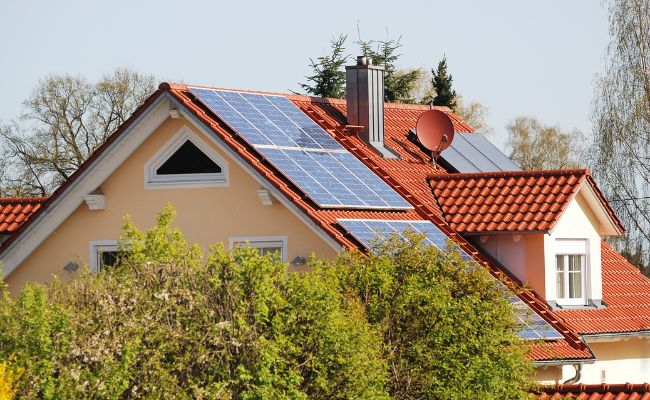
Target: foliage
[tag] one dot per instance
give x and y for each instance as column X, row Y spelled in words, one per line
column 328, row 79
column 397, row 83
column 407, row 322
column 447, row 329
column 534, row 146
column 66, row 118
column 172, row 323
column 621, row 116
column 441, row 82
column 474, row 114
column 7, row 378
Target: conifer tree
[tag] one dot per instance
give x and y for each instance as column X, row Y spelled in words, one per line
column 445, row 95
column 397, row 84
column 328, row 79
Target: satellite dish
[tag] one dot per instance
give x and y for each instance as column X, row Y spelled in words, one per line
column 435, row 131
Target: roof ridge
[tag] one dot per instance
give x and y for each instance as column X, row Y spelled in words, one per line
column 500, row 174
column 299, row 97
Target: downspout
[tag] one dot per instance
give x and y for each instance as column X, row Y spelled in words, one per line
column 577, row 377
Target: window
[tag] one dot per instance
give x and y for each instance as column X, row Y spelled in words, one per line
column 570, row 272
column 186, row 161
column 104, row 254
column 264, row 244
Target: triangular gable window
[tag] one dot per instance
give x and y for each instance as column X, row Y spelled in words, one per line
column 186, row 161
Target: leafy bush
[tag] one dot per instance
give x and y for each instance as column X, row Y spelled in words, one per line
column 7, row 377
column 172, row 323
column 447, row 327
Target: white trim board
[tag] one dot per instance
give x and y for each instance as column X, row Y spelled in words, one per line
column 183, row 181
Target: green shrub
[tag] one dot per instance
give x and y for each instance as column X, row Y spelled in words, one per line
column 172, row 323
column 447, row 327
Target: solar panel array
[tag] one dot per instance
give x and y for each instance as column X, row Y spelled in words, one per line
column 533, row 326
column 369, row 232
column 306, row 154
column 473, row 152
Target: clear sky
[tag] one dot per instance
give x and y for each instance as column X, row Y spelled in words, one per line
column 517, row 57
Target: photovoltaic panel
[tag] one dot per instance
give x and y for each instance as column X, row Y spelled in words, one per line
column 532, row 325
column 267, row 120
column 473, row 152
column 334, row 179
column 306, row 154
column 368, row 232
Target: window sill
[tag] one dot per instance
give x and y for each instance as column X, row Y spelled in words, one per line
column 591, row 305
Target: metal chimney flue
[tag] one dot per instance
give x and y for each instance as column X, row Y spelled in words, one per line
column 365, row 102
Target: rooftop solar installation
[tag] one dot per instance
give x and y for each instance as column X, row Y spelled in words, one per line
column 368, row 232
column 305, row 153
column 473, row 152
column 533, row 326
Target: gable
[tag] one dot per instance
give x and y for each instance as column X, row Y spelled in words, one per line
column 206, row 214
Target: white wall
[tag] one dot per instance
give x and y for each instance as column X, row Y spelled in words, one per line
column 577, row 222
column 510, row 250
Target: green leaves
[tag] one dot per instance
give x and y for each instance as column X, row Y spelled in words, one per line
column 447, row 329
column 170, row 322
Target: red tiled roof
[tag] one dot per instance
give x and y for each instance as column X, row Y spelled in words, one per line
column 407, row 174
column 625, row 391
column 626, row 291
column 15, row 211
column 508, row 201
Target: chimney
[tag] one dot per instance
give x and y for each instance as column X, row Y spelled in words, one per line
column 365, row 102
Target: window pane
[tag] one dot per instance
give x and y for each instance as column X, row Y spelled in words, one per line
column 559, row 260
column 271, row 250
column 188, row 159
column 109, row 258
column 575, row 276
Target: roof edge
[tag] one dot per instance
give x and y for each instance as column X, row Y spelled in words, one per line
column 500, row 174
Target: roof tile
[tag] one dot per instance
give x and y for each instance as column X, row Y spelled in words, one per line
column 15, row 211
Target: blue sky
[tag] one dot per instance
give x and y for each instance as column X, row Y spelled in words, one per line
column 516, row 57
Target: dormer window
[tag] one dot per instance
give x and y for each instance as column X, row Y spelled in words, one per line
column 571, row 266
column 186, row 161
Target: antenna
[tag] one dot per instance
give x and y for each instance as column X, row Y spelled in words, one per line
column 435, row 131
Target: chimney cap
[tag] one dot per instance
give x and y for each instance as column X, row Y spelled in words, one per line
column 363, row 60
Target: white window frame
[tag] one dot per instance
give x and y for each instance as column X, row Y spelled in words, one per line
column 262, row 242
column 94, row 249
column 567, row 247
column 154, row 181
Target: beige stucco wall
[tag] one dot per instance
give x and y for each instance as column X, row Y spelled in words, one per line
column 205, row 215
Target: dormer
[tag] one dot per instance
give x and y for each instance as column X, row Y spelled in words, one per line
column 544, row 227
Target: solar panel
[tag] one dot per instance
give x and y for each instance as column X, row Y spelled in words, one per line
column 368, row 232
column 533, row 326
column 306, row 154
column 265, row 120
column 473, row 152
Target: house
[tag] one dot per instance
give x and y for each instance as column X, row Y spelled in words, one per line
column 301, row 175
